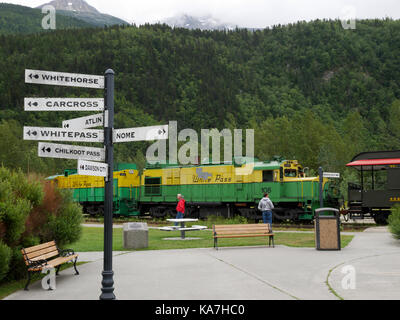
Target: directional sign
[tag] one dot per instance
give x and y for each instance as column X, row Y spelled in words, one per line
column 332, row 175
column 141, row 134
column 93, row 121
column 62, row 151
column 64, row 104
column 64, row 79
column 97, row 169
column 59, row 134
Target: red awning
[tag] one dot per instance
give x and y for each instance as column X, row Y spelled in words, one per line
column 373, row 162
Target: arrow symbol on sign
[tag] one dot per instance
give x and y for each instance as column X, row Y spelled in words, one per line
column 46, row 149
column 35, row 76
column 162, row 131
column 34, row 133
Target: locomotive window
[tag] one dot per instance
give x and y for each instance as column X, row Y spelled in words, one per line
column 268, row 176
column 291, row 173
column 152, row 186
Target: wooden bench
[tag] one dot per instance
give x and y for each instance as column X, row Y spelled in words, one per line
column 46, row 256
column 242, row 231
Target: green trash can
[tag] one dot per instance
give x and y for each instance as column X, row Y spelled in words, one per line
column 327, row 229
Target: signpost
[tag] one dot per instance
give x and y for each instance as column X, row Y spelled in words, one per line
column 76, row 130
column 141, row 134
column 64, row 104
column 63, row 151
column 93, row 121
column 332, row 175
column 59, row 134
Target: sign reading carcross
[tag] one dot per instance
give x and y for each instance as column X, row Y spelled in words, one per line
column 64, row 79
column 64, row 104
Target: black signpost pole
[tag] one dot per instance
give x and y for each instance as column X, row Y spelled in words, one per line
column 108, row 282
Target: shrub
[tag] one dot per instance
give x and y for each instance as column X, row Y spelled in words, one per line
column 394, row 222
column 5, row 257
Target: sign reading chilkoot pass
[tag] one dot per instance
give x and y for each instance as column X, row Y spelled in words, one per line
column 64, row 104
column 59, row 134
column 92, row 121
column 62, row 151
column 64, row 79
column 97, row 169
column 141, row 134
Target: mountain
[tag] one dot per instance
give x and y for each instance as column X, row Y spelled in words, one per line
column 203, row 23
column 81, row 10
column 72, row 5
column 15, row 19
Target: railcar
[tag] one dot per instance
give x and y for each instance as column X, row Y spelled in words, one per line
column 226, row 189
column 378, row 188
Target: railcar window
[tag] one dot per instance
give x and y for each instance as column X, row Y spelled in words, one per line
column 268, row 176
column 291, row 173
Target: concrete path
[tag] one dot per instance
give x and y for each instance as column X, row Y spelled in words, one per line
column 245, row 273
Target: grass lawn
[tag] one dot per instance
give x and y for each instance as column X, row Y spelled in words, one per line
column 92, row 240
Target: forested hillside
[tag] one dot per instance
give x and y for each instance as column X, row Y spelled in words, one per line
column 16, row 19
column 312, row 91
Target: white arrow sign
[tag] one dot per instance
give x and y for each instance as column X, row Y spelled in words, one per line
column 97, row 169
column 92, row 121
column 64, row 79
column 59, row 134
column 62, row 151
column 332, row 175
column 64, row 104
column 141, row 134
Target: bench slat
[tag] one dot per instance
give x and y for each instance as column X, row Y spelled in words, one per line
column 38, row 253
column 222, row 226
column 46, row 256
column 246, row 236
column 39, row 247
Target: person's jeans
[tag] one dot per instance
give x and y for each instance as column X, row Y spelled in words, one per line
column 267, row 217
column 179, row 215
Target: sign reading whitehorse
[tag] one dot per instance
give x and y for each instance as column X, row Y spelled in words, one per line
column 59, row 134
column 96, row 169
column 64, row 104
column 64, row 79
column 141, row 134
column 62, row 151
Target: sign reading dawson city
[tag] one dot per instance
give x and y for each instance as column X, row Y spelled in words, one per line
column 64, row 104
column 59, row 134
column 64, row 79
column 62, row 151
column 97, row 169
column 93, row 121
column 141, row 134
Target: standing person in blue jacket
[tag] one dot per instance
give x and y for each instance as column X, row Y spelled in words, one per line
column 265, row 206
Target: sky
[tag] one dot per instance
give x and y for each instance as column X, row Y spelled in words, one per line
column 243, row 13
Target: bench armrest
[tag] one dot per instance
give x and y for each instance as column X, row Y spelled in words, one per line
column 37, row 263
column 67, row 252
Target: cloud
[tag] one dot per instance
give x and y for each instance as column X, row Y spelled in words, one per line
column 244, row 13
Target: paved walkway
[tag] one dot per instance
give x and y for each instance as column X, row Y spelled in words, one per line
column 243, row 273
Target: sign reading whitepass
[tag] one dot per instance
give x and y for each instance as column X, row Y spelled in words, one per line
column 64, row 79
column 59, row 134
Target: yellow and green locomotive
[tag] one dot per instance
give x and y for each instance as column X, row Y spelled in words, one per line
column 213, row 189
